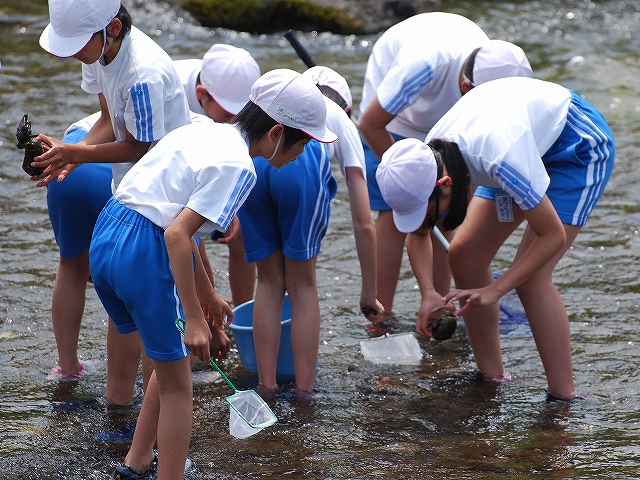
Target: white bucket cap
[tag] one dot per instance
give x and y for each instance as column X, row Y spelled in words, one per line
column 500, row 59
column 73, row 22
column 327, row 77
column 294, row 101
column 228, row 73
column 407, row 176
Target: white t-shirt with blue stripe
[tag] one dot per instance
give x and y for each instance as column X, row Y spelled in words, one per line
column 503, row 128
column 203, row 166
column 143, row 91
column 414, row 68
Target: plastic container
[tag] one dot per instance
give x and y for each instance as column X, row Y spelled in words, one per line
column 242, row 328
column 398, row 349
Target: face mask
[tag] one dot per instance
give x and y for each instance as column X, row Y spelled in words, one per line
column 276, row 149
column 104, row 44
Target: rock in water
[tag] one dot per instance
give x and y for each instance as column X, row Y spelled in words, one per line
column 444, row 326
column 32, row 147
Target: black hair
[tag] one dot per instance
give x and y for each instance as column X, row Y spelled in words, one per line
column 468, row 66
column 255, row 122
column 125, row 18
column 450, row 155
column 331, row 94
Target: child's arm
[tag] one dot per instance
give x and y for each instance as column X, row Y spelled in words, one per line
column 420, row 251
column 180, row 249
column 365, row 236
column 217, row 312
column 58, row 160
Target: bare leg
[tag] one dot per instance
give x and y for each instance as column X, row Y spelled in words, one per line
column 305, row 319
column 475, row 245
column 166, row 413
column 242, row 274
column 548, row 319
column 67, row 308
column 267, row 312
column 390, row 246
column 123, row 359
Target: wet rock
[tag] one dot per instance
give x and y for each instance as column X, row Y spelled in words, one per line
column 337, row 16
column 444, row 326
column 379, row 15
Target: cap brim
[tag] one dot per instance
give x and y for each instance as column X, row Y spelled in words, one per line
column 410, row 222
column 229, row 106
column 60, row 46
column 323, row 136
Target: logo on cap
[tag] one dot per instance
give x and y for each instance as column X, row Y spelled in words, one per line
column 286, row 113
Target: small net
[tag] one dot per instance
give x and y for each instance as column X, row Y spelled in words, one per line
column 249, row 414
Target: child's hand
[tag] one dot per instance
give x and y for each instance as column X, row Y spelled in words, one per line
column 219, row 313
column 197, row 338
column 220, row 343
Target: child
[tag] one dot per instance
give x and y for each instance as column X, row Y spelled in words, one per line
column 284, row 220
column 217, row 87
column 141, row 99
column 538, row 152
column 417, row 70
column 147, row 269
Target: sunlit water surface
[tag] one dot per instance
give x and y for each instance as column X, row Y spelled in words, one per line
column 432, row 420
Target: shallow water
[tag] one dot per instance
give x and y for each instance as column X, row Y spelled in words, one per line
column 432, row 420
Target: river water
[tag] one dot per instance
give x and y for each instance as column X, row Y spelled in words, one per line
column 370, row 421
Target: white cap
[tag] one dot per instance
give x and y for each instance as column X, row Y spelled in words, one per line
column 294, row 101
column 73, row 22
column 407, row 176
column 500, row 59
column 228, row 73
column 327, row 77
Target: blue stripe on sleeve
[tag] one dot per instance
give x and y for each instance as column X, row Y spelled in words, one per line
column 240, row 192
column 409, row 91
column 143, row 112
column 518, row 186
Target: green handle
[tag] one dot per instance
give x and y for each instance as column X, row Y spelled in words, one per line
column 180, row 324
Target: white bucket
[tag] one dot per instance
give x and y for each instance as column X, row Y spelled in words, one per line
column 399, row 349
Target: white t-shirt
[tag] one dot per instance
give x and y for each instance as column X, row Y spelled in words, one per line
column 348, row 148
column 143, row 92
column 205, row 167
column 188, row 71
column 414, row 68
column 503, row 128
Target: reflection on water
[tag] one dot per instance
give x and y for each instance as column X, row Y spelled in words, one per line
column 433, row 420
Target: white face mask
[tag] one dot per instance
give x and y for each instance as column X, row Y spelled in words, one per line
column 276, row 149
column 104, row 44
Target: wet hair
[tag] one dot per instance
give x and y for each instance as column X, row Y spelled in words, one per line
column 449, row 154
column 469, row 64
column 125, row 18
column 255, row 123
column 331, row 94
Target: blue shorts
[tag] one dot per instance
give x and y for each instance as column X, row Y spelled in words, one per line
column 289, row 208
column 132, row 276
column 75, row 203
column 579, row 164
column 372, row 161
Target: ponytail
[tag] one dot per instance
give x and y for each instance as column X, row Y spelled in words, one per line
column 461, row 180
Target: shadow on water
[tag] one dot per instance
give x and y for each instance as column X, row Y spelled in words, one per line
column 433, row 420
